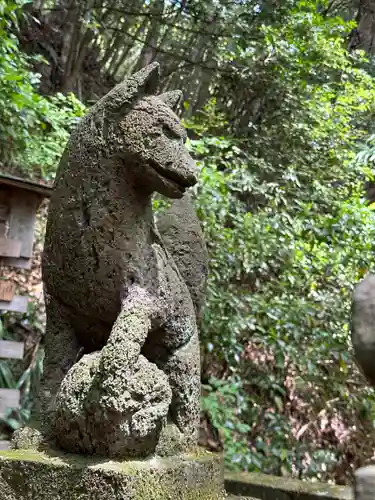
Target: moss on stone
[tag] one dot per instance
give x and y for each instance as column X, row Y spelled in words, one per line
column 49, row 475
column 152, row 488
column 252, row 483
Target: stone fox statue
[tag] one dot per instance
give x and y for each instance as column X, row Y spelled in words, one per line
column 122, row 364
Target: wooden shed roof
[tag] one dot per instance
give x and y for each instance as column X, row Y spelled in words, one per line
column 26, row 185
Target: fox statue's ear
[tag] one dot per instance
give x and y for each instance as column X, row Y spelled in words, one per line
column 172, row 98
column 147, row 79
column 119, row 100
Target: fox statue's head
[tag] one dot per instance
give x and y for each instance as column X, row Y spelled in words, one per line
column 139, row 130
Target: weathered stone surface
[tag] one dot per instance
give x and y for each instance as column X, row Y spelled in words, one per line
column 182, row 235
column 27, row 438
column 267, row 487
column 364, row 485
column 26, row 475
column 86, row 425
column 122, row 368
column 363, row 326
column 232, row 497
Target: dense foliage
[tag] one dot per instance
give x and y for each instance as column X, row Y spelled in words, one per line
column 289, row 233
column 280, row 117
column 33, row 129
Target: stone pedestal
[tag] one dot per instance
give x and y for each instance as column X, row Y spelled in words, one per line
column 364, row 483
column 53, row 475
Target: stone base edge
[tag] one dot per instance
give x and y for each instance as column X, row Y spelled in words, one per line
column 26, row 475
column 267, row 487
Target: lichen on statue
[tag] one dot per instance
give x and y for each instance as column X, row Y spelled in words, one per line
column 122, row 368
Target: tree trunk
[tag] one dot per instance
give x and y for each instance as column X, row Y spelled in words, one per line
column 363, row 37
column 206, row 64
column 149, row 48
column 79, row 43
column 71, row 10
column 122, row 57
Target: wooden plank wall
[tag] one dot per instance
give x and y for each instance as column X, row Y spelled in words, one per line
column 9, row 398
column 18, row 208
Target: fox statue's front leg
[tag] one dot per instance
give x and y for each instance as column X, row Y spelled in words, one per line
column 115, row 402
column 174, row 347
column 183, row 370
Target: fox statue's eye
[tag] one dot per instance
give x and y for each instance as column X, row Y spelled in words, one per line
column 171, row 134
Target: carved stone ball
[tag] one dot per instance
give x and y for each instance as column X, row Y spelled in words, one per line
column 127, row 423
